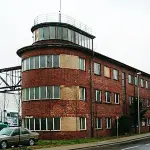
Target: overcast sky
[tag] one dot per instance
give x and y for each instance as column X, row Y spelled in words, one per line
column 121, row 27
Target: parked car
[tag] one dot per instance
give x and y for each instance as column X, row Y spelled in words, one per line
column 3, row 125
column 10, row 136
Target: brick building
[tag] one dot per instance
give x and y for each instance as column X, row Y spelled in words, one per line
column 70, row 91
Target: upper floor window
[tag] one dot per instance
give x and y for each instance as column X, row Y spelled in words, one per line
column 108, row 123
column 82, row 64
column 107, row 72
column 82, row 123
column 43, row 61
column 130, row 78
column 130, row 100
column 148, row 103
column 97, row 95
column 82, row 93
column 44, row 92
column 142, row 83
column 107, row 97
column 135, row 81
column 115, row 74
column 98, row 123
column 97, row 68
column 41, row 124
column 146, row 83
column 116, row 98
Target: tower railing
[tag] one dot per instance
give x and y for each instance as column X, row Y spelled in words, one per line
column 45, row 18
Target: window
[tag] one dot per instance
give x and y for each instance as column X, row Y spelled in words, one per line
column 82, row 123
column 135, row 81
column 65, row 34
column 40, row 30
column 97, row 68
column 27, row 64
column 82, row 93
column 107, row 72
column 32, row 63
column 24, row 131
column 115, row 74
column 148, row 121
column 82, row 64
column 142, row 83
column 130, row 100
column 148, row 103
column 130, row 79
column 107, row 97
column 55, row 60
column 46, row 33
column 52, row 32
column 98, row 123
column 116, row 98
column 42, row 61
column 146, row 82
column 52, row 124
column 108, row 123
column 43, row 92
column 97, row 95
column 36, row 62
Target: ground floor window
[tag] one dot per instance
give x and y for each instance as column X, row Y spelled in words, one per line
column 98, row 123
column 148, row 121
column 82, row 123
column 40, row 124
column 108, row 123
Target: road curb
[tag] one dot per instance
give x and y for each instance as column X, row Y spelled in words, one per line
column 113, row 143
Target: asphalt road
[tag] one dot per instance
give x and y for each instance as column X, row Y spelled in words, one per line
column 139, row 145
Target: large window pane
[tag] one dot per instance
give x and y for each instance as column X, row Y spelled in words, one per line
column 43, row 92
column 46, row 33
column 72, row 36
column 37, row 62
column 65, row 33
column 56, row 123
column 81, row 64
column 49, row 92
column 37, row 93
column 52, row 32
column 82, row 93
column 40, row 33
column 31, row 123
column 37, row 124
column 42, row 61
column 49, row 61
column 24, row 64
column 83, row 40
column 26, row 123
column 107, row 72
column 59, row 32
column 32, row 63
column 31, row 93
column 55, row 60
column 69, row 35
column 56, row 92
column 50, row 123
column 96, row 68
column 115, row 74
column 43, row 123
column 77, row 37
column 27, row 63
column 27, row 94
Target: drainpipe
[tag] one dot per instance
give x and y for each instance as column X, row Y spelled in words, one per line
column 91, row 93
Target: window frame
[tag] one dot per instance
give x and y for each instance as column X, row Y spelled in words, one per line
column 116, row 95
column 80, row 64
column 107, row 123
column 98, row 67
column 83, row 98
column 101, row 124
column 117, row 71
column 106, row 101
column 81, row 123
column 100, row 93
column 105, row 74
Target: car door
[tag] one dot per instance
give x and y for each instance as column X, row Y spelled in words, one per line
column 15, row 136
column 25, row 136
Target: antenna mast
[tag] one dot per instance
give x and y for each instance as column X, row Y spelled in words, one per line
column 60, row 12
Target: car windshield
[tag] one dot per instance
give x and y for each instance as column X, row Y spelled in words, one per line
column 6, row 131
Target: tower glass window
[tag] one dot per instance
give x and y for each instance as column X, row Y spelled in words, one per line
column 46, row 33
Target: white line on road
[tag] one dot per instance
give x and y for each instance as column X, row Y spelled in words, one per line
column 129, row 147
column 147, row 144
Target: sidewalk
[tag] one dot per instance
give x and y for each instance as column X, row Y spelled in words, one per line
column 102, row 143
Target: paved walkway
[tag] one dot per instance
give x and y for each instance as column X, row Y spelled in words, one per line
column 94, row 144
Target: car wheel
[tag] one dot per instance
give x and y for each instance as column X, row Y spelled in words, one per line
column 31, row 142
column 4, row 145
